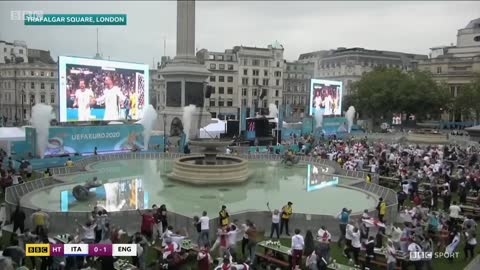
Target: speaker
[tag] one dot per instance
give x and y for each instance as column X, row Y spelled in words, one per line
column 208, row 91
column 233, row 127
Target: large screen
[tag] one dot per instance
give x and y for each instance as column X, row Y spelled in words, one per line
column 99, row 90
column 317, row 178
column 326, row 97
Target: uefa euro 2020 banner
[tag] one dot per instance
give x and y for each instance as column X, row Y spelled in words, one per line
column 72, row 140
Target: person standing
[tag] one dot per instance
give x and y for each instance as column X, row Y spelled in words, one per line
column 163, row 217
column 454, row 211
column 147, row 224
column 252, row 241
column 470, row 241
column 286, row 213
column 390, row 253
column 83, row 98
column 275, row 222
column 344, row 217
column 204, row 229
column 297, row 249
column 382, row 209
column 204, row 259
column 39, row 221
column 18, row 220
column 223, row 216
column 414, row 248
column 111, row 95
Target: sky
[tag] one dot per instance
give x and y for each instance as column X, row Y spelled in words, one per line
column 300, row 26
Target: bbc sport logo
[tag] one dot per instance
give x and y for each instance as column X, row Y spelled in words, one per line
column 433, row 255
column 38, row 249
column 19, row 15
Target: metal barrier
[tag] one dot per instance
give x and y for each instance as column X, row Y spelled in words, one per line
column 63, row 219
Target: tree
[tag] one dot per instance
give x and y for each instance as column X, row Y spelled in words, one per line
column 385, row 91
column 468, row 100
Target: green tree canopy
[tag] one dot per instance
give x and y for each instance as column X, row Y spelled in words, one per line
column 385, row 91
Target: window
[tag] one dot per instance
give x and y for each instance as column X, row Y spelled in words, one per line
column 229, row 58
column 278, row 64
column 212, row 78
column 42, row 73
column 213, row 66
column 245, row 62
column 245, row 72
column 220, row 103
column 244, row 81
column 277, row 82
column 230, row 67
column 42, row 98
column 256, row 72
column 255, row 81
column 244, row 102
column 230, row 79
column 32, row 98
column 20, row 51
column 265, row 63
column 439, row 70
column 42, row 85
column 278, row 74
column 211, row 57
column 229, row 103
column 213, row 90
column 230, row 90
column 52, row 99
column 276, row 93
column 32, row 73
column 212, row 102
column 221, row 90
column 265, row 73
column 276, row 103
column 32, row 85
column 265, row 82
column 221, row 66
column 256, row 62
column 52, row 86
column 4, row 49
column 254, row 91
column 51, row 74
column 24, row 98
column 219, row 57
column 221, row 78
column 244, row 92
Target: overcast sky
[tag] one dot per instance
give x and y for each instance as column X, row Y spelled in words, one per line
column 300, row 26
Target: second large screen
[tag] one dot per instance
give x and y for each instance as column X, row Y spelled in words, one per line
column 326, row 97
column 99, row 90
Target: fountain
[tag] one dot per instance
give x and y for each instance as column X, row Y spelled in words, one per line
column 208, row 167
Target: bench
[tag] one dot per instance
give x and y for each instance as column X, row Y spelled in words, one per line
column 273, row 260
column 380, row 264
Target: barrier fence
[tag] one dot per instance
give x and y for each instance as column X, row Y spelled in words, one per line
column 63, row 220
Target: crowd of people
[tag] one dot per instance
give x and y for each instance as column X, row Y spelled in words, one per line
column 430, row 180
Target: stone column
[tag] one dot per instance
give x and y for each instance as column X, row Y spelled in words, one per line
column 185, row 29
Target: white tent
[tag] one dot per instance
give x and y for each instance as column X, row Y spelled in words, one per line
column 11, row 134
column 213, row 129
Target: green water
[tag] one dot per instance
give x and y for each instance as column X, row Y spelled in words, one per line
column 270, row 182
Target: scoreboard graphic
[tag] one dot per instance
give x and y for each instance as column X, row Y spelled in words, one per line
column 96, row 250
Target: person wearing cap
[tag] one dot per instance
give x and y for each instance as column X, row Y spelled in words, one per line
column 223, row 214
column 286, row 213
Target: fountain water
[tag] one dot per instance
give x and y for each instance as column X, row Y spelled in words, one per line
column 41, row 117
column 187, row 120
column 318, row 118
column 149, row 118
column 350, row 114
column 272, row 110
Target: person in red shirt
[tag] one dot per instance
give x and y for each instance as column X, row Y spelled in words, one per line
column 416, row 199
column 204, row 259
column 147, row 224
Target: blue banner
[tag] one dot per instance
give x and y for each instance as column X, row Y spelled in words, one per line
column 243, row 118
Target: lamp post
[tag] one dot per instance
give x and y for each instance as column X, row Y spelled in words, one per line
column 164, row 115
column 23, row 101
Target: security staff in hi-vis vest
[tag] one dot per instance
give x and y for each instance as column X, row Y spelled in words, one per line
column 223, row 216
column 286, row 213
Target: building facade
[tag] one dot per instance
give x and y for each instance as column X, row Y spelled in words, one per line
column 13, row 52
column 296, row 89
column 349, row 64
column 244, row 77
column 224, row 101
column 456, row 65
column 23, row 84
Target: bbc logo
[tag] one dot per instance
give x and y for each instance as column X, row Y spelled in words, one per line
column 37, row 249
column 19, row 15
column 421, row 255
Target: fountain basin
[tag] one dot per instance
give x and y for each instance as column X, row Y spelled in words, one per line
column 198, row 170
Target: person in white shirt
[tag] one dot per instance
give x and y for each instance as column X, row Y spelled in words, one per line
column 297, row 248
column 232, row 234
column 390, row 253
column 471, row 241
column 323, row 235
column 83, row 99
column 414, row 250
column 356, row 244
column 204, row 228
column 348, row 238
column 111, row 96
column 275, row 222
column 167, row 234
column 88, row 234
column 177, row 238
column 396, row 235
column 454, row 212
